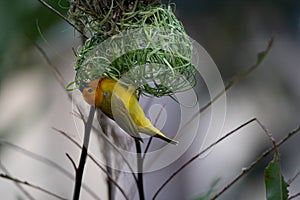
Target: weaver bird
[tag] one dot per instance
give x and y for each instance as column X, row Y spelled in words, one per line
column 120, row 103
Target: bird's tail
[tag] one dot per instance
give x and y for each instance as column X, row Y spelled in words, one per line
column 151, row 130
column 165, row 138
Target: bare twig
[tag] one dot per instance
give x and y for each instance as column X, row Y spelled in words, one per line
column 62, row 16
column 254, row 163
column 48, row 162
column 140, row 182
column 111, row 144
column 21, row 188
column 72, row 161
column 84, row 152
column 293, row 178
column 78, row 145
column 147, row 147
column 5, row 176
column 294, row 196
column 199, row 154
column 269, row 134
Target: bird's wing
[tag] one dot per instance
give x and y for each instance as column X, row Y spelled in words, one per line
column 122, row 116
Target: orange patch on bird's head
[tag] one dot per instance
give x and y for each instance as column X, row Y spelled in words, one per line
column 92, row 93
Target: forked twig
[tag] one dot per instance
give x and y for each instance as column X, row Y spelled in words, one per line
column 114, row 147
column 95, row 162
column 84, row 152
column 147, row 147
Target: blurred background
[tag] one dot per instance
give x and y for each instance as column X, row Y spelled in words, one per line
column 233, row 33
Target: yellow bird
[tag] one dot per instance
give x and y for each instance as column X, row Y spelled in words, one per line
column 120, row 103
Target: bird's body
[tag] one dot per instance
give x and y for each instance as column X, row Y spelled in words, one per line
column 120, row 103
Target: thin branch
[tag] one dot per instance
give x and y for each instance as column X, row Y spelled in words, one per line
column 293, row 178
column 294, row 196
column 78, row 145
column 269, row 134
column 147, row 147
column 140, row 182
column 72, row 161
column 94, row 160
column 5, row 176
column 107, row 140
column 48, row 162
column 199, row 154
column 62, row 16
column 104, row 137
column 21, row 188
column 84, row 152
column 254, row 163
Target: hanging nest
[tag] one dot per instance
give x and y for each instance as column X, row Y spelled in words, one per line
column 140, row 42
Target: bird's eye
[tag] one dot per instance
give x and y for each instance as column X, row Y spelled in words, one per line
column 105, row 94
column 90, row 90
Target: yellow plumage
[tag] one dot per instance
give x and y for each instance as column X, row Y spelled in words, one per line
column 120, row 104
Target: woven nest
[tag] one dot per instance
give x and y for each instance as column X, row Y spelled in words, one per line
column 140, row 42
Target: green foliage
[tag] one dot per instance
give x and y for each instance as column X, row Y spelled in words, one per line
column 276, row 187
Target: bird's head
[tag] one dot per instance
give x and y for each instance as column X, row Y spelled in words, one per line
column 95, row 91
column 92, row 92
